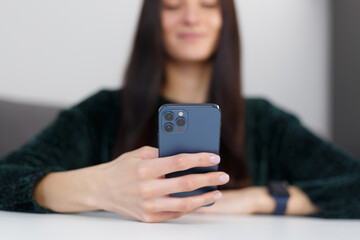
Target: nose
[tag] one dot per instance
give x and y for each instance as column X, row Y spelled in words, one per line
column 191, row 15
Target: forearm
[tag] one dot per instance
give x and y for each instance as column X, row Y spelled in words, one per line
column 298, row 203
column 69, row 191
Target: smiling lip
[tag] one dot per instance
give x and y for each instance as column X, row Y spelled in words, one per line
column 190, row 36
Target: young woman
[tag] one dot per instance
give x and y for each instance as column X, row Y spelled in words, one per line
column 101, row 153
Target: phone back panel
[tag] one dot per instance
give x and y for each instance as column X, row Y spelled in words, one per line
column 201, row 133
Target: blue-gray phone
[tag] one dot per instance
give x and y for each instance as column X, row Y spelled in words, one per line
column 189, row 128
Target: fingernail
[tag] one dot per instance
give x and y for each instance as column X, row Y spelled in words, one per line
column 215, row 159
column 217, row 196
column 224, row 178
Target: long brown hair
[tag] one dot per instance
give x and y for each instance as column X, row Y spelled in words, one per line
column 144, row 78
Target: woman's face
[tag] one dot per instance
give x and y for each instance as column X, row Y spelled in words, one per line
column 191, row 28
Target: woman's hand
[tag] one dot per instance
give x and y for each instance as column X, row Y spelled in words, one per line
column 245, row 201
column 257, row 200
column 134, row 185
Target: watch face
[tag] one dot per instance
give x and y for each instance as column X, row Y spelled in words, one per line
column 279, row 188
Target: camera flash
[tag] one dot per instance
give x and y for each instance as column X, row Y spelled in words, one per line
column 181, row 114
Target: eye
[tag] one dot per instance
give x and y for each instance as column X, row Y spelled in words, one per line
column 171, row 5
column 210, row 4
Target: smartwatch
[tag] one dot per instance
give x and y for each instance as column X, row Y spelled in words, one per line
column 279, row 191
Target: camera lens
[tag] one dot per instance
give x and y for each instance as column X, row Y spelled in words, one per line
column 180, row 121
column 169, row 116
column 168, row 127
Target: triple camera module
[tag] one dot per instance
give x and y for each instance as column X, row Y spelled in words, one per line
column 175, row 121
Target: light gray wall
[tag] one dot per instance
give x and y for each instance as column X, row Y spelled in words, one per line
column 286, row 54
column 59, row 52
column 346, row 74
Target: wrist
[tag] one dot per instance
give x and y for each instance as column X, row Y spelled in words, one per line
column 68, row 191
column 265, row 203
column 86, row 186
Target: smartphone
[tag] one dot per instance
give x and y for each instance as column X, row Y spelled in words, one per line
column 189, row 128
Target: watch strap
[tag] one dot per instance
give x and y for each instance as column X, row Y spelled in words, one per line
column 281, row 204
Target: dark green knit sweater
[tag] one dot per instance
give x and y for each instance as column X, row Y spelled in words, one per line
column 278, row 147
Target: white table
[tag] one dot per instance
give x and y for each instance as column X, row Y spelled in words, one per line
column 106, row 225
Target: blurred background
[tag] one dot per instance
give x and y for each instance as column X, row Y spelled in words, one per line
column 302, row 55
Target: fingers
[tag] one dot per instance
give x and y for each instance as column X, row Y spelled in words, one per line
column 191, row 182
column 154, row 168
column 187, row 204
column 160, row 187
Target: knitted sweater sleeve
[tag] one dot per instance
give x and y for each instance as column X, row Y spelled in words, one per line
column 69, row 142
column 327, row 174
